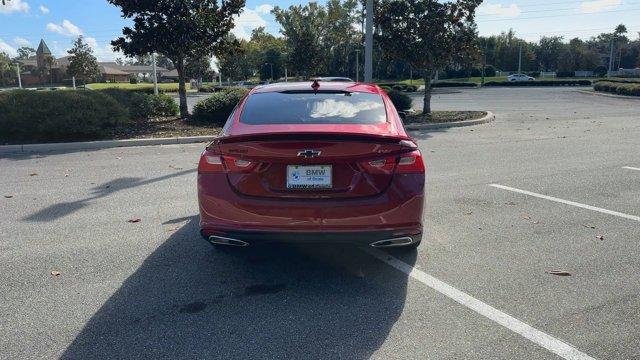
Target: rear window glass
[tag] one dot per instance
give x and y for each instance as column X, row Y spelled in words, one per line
column 313, row 108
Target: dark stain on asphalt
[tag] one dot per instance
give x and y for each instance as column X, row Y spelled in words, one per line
column 262, row 289
column 193, row 308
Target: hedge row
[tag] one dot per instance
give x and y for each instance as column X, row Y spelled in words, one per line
column 444, row 84
column 75, row 114
column 540, row 83
column 398, row 87
column 629, row 89
column 400, row 100
column 623, row 81
column 142, row 106
column 216, row 108
column 58, row 115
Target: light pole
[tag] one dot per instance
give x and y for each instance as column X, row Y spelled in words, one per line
column 19, row 78
column 357, row 65
column 155, row 74
column 610, row 60
column 368, row 47
column 520, row 59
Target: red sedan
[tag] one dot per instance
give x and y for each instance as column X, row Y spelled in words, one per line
column 312, row 162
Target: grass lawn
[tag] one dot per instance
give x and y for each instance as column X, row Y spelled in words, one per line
column 169, row 87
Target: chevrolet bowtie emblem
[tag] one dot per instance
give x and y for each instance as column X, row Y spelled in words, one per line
column 309, row 153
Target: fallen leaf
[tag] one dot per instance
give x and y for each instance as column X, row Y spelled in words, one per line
column 589, row 226
column 135, row 220
column 8, row 196
column 175, row 167
column 55, row 273
column 600, row 237
column 33, row 174
column 525, row 217
column 558, row 272
column 66, row 175
column 469, row 213
column 174, row 228
column 510, row 203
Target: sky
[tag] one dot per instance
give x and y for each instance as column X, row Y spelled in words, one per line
column 59, row 22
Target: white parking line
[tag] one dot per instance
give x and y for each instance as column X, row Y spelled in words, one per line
column 630, row 168
column 568, row 202
column 548, row 342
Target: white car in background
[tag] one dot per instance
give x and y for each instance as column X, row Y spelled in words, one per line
column 519, row 77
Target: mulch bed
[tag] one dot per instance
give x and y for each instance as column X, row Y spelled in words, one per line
column 443, row 117
column 165, row 127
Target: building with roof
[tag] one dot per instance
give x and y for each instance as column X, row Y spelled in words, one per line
column 45, row 68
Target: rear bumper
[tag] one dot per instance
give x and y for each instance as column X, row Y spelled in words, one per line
column 395, row 212
column 355, row 238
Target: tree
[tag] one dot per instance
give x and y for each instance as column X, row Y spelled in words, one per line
column 198, row 68
column 548, row 52
column 177, row 29
column 25, row 53
column 427, row 33
column 82, row 64
column 301, row 27
column 7, row 70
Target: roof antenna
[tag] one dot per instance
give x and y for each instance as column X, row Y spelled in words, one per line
column 315, row 86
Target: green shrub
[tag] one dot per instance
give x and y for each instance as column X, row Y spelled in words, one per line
column 489, row 71
column 539, row 83
column 411, row 88
column 216, row 108
column 209, row 88
column 440, row 84
column 133, row 80
column 385, row 88
column 400, row 101
column 620, row 88
column 399, row 87
column 600, row 70
column 136, row 103
column 163, row 105
column 58, row 115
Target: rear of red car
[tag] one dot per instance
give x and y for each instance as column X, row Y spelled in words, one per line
column 303, row 164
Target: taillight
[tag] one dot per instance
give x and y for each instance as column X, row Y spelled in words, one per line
column 410, row 163
column 215, row 163
column 210, row 163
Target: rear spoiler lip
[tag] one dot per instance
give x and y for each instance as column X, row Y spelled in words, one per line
column 286, row 136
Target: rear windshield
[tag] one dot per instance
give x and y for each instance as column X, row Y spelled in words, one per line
column 313, row 108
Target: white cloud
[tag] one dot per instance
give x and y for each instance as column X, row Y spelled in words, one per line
column 20, row 41
column 264, row 8
column 248, row 20
column 44, row 9
column 499, row 10
column 104, row 52
column 14, row 6
column 67, row 28
column 6, row 48
column 599, row 5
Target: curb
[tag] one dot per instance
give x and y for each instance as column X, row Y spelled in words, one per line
column 94, row 145
column 597, row 93
column 483, row 120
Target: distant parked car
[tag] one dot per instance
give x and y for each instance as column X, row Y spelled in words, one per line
column 334, row 79
column 519, row 77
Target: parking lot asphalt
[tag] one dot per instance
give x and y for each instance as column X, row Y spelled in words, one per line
column 550, row 185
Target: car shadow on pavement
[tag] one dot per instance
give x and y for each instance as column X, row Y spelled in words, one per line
column 59, row 210
column 189, row 300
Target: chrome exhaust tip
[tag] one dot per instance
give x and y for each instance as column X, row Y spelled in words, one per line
column 401, row 241
column 220, row 240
